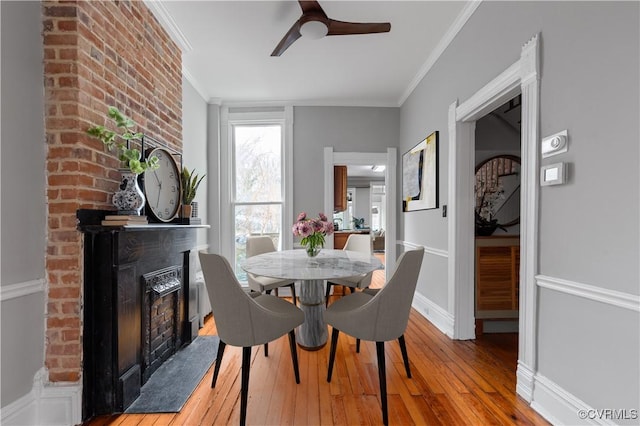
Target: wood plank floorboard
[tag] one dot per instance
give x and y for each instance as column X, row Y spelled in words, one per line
column 453, row 383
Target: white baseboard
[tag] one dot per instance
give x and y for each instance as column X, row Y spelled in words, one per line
column 524, row 381
column 560, row 407
column 438, row 316
column 46, row 405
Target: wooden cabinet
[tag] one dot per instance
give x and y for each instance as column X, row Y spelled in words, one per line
column 339, row 188
column 497, row 277
column 340, row 238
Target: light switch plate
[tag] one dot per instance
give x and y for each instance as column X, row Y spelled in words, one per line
column 553, row 174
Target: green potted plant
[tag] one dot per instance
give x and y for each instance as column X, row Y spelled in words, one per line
column 128, row 156
column 190, row 183
column 129, row 199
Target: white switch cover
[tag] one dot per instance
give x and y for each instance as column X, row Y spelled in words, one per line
column 553, row 174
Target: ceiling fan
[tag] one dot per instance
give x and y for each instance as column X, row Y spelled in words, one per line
column 314, row 23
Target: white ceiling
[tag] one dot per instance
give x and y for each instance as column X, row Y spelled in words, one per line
column 227, row 46
column 364, row 172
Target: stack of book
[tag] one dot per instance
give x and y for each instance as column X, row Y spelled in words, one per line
column 122, row 220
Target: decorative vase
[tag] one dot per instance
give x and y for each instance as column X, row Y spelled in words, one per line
column 312, row 251
column 129, row 199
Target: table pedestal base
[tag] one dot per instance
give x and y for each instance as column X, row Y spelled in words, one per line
column 312, row 334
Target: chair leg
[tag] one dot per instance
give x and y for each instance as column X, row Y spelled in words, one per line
column 405, row 357
column 244, row 385
column 293, row 293
column 382, row 376
column 326, row 295
column 357, row 346
column 294, row 354
column 216, row 369
column 332, row 351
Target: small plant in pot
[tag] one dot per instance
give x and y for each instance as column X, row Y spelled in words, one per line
column 190, row 183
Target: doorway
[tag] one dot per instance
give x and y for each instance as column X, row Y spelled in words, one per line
column 497, row 219
column 388, row 160
column 521, row 77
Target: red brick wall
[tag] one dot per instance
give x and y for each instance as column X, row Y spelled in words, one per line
column 96, row 54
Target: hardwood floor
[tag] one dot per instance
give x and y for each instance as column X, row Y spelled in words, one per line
column 379, row 276
column 454, row 383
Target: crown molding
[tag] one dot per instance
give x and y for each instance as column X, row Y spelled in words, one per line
column 455, row 28
column 169, row 24
column 194, row 83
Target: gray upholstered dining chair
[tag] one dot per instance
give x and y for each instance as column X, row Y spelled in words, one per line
column 378, row 317
column 264, row 244
column 245, row 321
column 361, row 243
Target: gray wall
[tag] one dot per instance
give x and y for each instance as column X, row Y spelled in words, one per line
column 363, row 205
column 23, row 196
column 589, row 228
column 213, row 177
column 346, row 129
column 194, row 146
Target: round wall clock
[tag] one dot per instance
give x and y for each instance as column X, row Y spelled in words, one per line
column 162, row 186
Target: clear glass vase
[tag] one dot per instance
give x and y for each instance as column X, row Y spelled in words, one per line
column 312, row 251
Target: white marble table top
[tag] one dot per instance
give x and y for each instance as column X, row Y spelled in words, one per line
column 296, row 265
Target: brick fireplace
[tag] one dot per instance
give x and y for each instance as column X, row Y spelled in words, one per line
column 96, row 54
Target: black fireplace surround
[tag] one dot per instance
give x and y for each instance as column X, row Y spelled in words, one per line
column 137, row 305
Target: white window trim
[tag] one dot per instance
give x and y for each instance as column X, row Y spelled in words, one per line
column 227, row 121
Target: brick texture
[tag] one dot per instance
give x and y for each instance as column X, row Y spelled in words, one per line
column 96, row 54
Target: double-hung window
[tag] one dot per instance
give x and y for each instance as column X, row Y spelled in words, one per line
column 257, row 187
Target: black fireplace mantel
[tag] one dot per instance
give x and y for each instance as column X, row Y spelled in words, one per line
column 116, row 261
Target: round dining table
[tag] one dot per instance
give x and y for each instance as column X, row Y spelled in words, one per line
column 311, row 273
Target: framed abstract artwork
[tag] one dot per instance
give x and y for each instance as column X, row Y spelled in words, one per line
column 420, row 175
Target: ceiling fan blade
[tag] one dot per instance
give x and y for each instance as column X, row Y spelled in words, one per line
column 292, row 35
column 349, row 28
column 311, row 7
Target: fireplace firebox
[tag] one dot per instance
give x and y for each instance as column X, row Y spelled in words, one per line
column 161, row 316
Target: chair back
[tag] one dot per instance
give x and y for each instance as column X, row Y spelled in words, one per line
column 359, row 242
column 259, row 244
column 232, row 307
column 394, row 299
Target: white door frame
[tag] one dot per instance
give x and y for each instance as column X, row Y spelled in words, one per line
column 387, row 159
column 521, row 77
